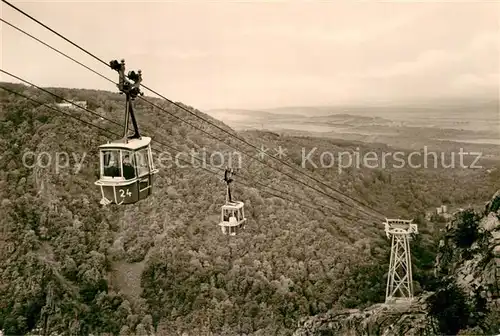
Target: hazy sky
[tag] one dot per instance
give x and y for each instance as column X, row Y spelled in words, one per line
column 265, row 54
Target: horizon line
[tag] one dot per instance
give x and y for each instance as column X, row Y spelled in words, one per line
column 361, row 103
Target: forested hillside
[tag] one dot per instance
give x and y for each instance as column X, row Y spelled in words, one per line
column 70, row 266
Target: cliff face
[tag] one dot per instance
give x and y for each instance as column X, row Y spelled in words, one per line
column 468, row 257
column 470, row 251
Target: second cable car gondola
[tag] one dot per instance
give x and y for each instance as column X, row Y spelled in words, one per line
column 126, row 165
column 233, row 212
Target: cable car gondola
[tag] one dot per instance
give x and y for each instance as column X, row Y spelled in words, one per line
column 126, row 165
column 233, row 212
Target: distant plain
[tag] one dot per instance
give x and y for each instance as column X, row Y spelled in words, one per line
column 445, row 126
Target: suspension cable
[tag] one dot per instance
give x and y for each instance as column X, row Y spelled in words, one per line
column 115, row 123
column 185, row 161
column 209, row 122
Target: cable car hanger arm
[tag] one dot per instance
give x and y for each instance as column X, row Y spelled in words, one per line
column 131, row 90
column 227, row 178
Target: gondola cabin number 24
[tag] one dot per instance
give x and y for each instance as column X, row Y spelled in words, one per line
column 125, row 193
column 126, row 171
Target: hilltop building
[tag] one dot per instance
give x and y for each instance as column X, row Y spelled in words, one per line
column 81, row 103
column 443, row 209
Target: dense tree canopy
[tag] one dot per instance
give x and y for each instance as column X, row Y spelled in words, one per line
column 70, row 266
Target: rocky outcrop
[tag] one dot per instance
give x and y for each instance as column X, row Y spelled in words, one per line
column 475, row 267
column 469, row 255
column 379, row 319
column 493, row 206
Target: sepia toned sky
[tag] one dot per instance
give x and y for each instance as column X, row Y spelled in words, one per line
column 263, row 54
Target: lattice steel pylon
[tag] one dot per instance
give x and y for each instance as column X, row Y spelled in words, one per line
column 399, row 278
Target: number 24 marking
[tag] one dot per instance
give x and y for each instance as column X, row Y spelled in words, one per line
column 122, row 193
